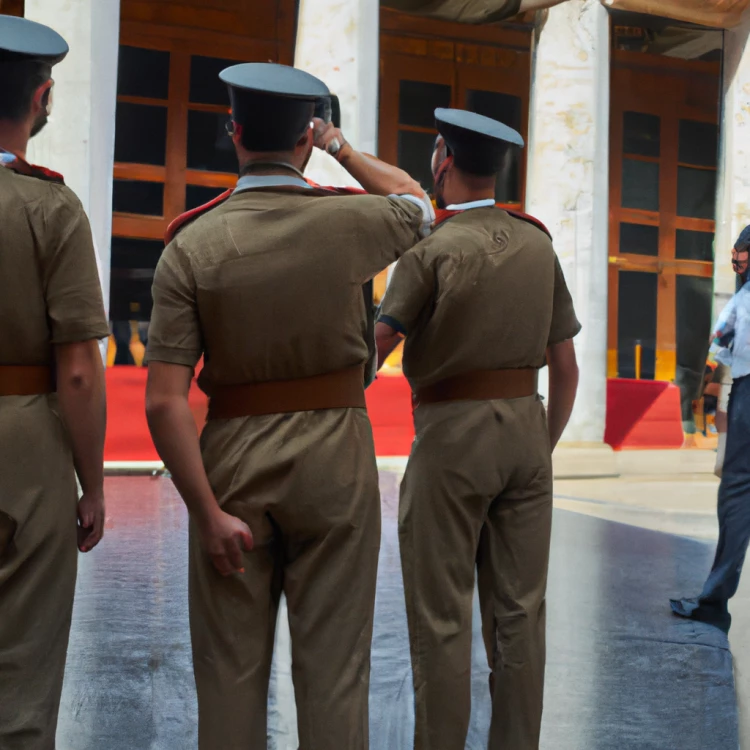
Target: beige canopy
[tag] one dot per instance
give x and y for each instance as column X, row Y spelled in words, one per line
column 719, row 14
column 463, row 11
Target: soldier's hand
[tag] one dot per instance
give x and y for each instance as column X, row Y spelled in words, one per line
column 225, row 538
column 90, row 520
column 328, row 138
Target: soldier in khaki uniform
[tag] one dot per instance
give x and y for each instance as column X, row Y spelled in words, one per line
column 483, row 304
column 52, row 406
column 283, row 489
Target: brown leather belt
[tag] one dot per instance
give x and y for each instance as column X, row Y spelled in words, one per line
column 483, row 385
column 25, row 380
column 334, row 390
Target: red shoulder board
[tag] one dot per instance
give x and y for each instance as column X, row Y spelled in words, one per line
column 43, row 173
column 184, row 219
column 530, row 219
column 443, row 214
column 21, row 166
column 337, row 190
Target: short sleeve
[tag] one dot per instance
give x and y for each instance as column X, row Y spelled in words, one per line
column 73, row 291
column 565, row 324
column 174, row 335
column 394, row 225
column 409, row 292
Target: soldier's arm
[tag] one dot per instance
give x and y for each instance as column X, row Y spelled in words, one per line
column 563, row 386
column 386, row 340
column 374, row 175
column 77, row 321
column 409, row 293
column 170, row 420
column 561, row 358
column 175, row 436
column 83, row 408
column 174, row 348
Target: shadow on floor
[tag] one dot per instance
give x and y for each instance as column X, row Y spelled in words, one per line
column 622, row 671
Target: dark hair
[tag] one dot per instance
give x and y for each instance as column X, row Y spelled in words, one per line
column 743, row 242
column 20, row 80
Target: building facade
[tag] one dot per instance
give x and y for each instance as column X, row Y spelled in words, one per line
column 637, row 130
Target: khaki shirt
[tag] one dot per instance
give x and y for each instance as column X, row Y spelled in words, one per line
column 49, row 282
column 484, row 292
column 269, row 284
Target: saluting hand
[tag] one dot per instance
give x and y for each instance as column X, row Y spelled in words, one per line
column 329, row 138
column 225, row 538
column 90, row 520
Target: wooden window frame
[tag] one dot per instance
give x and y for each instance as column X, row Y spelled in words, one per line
column 183, row 43
column 12, row 7
column 460, row 56
column 641, row 84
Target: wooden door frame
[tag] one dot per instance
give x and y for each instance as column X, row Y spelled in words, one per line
column 424, row 71
column 182, row 43
column 668, row 102
column 404, row 55
column 516, row 83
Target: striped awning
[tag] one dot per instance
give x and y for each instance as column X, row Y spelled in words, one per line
column 718, row 14
column 462, row 11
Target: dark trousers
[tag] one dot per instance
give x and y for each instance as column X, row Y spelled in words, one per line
column 734, row 517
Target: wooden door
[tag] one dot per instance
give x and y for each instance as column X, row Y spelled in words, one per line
column 663, row 172
column 172, row 152
column 491, row 80
column 12, row 7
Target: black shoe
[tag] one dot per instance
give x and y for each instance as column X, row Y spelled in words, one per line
column 712, row 614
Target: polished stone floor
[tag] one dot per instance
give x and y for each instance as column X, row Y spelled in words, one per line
column 622, row 672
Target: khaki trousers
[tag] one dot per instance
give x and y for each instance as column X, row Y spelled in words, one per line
column 307, row 485
column 38, row 572
column 477, row 495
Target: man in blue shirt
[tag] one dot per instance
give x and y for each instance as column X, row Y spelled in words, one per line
column 734, row 493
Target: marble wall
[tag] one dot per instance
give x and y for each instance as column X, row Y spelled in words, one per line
column 79, row 139
column 568, row 181
column 733, row 199
column 338, row 41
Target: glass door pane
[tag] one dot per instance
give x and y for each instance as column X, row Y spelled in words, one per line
column 694, row 310
column 418, row 100
column 636, row 323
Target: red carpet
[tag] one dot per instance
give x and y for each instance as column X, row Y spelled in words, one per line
column 643, row 414
column 128, row 439
column 640, row 415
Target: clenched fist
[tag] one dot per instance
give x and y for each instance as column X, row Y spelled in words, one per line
column 225, row 538
column 329, row 138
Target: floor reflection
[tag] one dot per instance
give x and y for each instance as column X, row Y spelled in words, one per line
column 622, row 672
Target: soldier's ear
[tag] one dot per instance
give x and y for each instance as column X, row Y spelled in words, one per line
column 43, row 96
column 308, row 137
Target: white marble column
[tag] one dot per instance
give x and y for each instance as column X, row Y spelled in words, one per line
column 338, row 41
column 733, row 195
column 79, row 139
column 568, row 181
